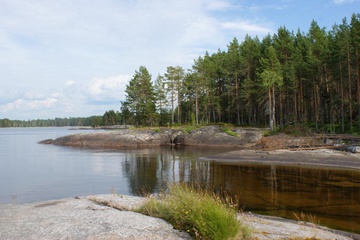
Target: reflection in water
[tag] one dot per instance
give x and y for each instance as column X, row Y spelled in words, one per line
column 332, row 196
column 151, row 170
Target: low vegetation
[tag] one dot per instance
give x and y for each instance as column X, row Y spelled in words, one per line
column 198, row 212
column 229, row 132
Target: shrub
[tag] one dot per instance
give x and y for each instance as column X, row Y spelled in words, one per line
column 198, row 212
column 190, row 128
column 229, row 132
column 157, row 129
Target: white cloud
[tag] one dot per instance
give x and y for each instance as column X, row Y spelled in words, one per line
column 219, row 5
column 52, row 50
column 107, row 89
column 41, row 104
column 245, row 26
column 25, row 104
column 341, row 2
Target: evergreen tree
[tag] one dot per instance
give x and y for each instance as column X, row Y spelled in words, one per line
column 140, row 98
column 161, row 100
column 272, row 77
column 174, row 80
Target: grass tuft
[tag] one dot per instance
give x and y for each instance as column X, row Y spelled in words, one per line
column 198, row 212
column 229, row 132
column 306, row 218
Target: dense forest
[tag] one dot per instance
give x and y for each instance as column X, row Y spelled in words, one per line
column 57, row 122
column 109, row 118
column 289, row 78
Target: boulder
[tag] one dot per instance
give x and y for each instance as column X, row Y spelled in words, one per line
column 353, row 149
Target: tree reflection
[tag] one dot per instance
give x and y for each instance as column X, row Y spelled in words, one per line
column 333, row 196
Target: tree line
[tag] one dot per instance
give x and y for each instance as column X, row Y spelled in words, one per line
column 288, row 78
column 109, row 118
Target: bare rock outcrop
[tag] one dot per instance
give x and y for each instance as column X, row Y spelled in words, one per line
column 205, row 136
column 112, row 217
column 83, row 218
column 216, row 136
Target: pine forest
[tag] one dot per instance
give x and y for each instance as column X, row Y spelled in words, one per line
column 308, row 78
column 289, row 78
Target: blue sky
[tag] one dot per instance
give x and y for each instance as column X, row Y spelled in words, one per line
column 73, row 58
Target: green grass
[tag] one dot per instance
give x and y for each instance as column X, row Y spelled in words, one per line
column 190, row 128
column 198, row 212
column 229, row 132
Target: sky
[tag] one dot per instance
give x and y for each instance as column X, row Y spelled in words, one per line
column 74, row 58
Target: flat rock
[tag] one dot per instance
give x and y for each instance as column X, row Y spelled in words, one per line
column 83, row 218
column 111, row 217
column 314, row 158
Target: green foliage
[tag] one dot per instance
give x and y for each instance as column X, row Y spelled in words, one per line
column 229, row 132
column 157, row 130
column 93, row 121
column 140, row 104
column 110, row 118
column 308, row 78
column 175, row 87
column 269, row 132
column 198, row 212
column 190, row 128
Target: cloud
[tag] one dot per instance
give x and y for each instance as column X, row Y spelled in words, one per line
column 76, row 57
column 341, row 2
column 245, row 26
column 25, row 104
column 107, row 89
column 219, row 5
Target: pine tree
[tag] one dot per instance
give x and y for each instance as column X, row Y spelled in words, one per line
column 140, row 98
column 271, row 76
column 174, row 80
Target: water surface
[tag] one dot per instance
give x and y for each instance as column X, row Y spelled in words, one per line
column 32, row 172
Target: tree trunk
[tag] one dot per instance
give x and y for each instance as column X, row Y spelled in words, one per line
column 358, row 82
column 172, row 107
column 237, row 99
column 342, row 101
column 350, row 97
column 273, row 108
column 197, row 105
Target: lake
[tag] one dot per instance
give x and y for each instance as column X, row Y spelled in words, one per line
column 32, row 172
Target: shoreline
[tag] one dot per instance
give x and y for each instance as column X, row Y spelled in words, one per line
column 293, row 154
column 319, row 158
column 112, row 217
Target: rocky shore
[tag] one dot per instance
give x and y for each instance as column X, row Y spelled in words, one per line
column 120, row 138
column 315, row 151
column 112, row 217
column 84, row 218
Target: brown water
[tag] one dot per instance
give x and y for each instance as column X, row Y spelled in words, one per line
column 327, row 197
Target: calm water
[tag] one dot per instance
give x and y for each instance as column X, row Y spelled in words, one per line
column 33, row 172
